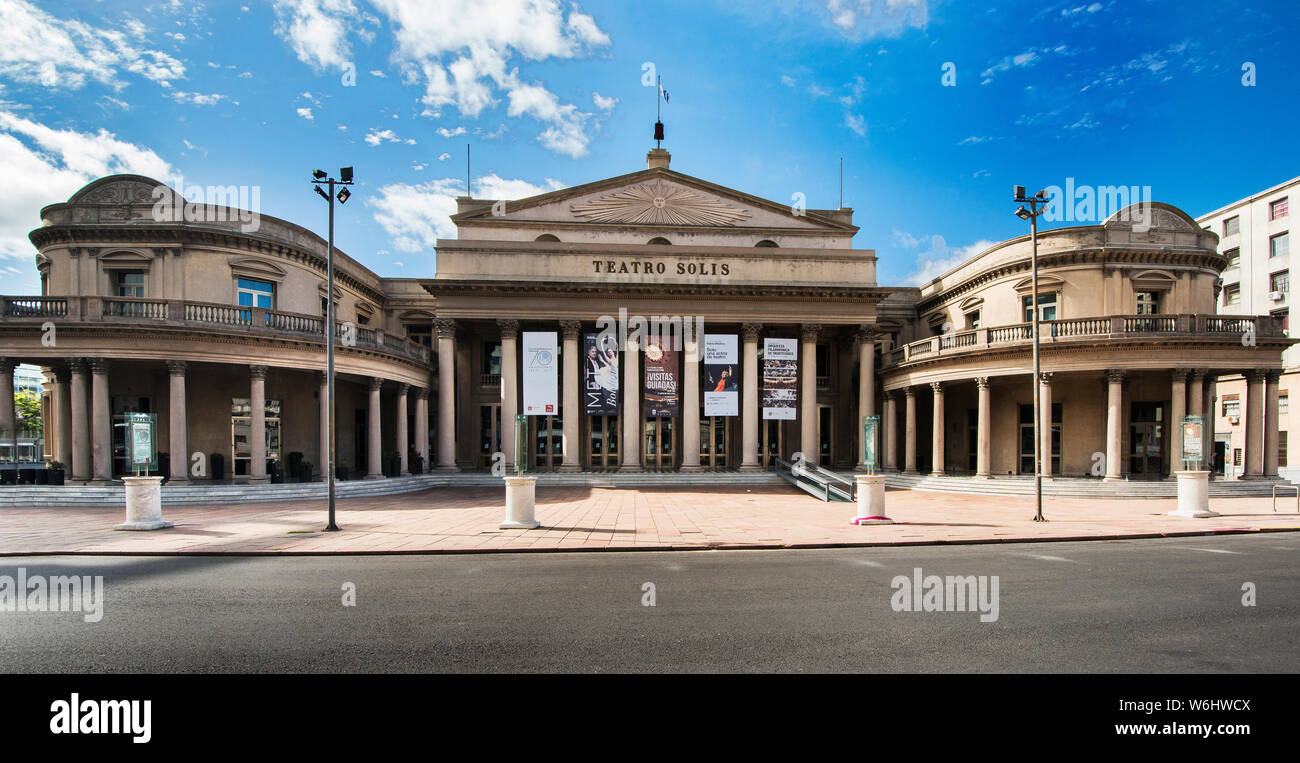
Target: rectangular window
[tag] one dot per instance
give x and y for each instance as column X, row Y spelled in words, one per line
column 1279, row 245
column 1281, row 450
column 1231, row 226
column 973, row 319
column 492, row 358
column 1285, row 315
column 1046, row 308
column 1148, row 302
column 1232, row 294
column 1277, row 209
column 241, row 410
column 363, row 320
column 250, row 293
column 1236, row 456
column 1234, row 257
column 1283, row 404
column 129, row 283
column 1231, row 405
column 1280, row 281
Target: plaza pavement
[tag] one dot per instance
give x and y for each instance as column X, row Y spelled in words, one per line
column 466, row 519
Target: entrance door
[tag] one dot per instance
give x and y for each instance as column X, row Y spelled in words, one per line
column 1146, row 440
column 489, row 435
column 547, row 442
column 658, row 452
column 1027, row 438
column 602, row 446
column 973, row 438
column 825, row 435
column 715, row 441
column 771, row 442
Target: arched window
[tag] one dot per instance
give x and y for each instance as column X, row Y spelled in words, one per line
column 547, row 237
column 767, row 243
column 659, row 241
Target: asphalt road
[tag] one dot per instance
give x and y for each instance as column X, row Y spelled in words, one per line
column 1169, row 605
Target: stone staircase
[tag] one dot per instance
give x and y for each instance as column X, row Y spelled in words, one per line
column 1081, row 487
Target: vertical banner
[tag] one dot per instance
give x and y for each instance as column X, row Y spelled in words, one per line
column 780, row 377
column 541, row 385
column 661, row 388
column 600, row 374
column 718, row 375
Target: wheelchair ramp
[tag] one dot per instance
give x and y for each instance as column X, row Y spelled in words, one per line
column 817, row 482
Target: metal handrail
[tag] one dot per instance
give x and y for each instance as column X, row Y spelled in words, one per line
column 1297, row 496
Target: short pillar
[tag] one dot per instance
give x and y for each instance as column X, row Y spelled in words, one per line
column 143, row 504
column 1193, row 495
column 871, row 500
column 521, row 501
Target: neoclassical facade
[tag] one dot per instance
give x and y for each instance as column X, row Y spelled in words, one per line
column 218, row 329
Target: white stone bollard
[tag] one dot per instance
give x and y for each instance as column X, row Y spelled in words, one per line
column 521, row 500
column 143, row 504
column 871, row 500
column 1193, row 495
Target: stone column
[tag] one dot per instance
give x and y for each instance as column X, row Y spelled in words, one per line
column 749, row 395
column 374, row 451
column 63, row 393
column 447, row 395
column 256, row 424
column 983, row 436
column 509, row 387
column 80, row 436
column 572, row 409
column 1177, row 411
column 691, row 403
column 422, row 427
column 323, row 426
column 808, row 442
column 8, row 417
column 1211, row 409
column 1254, row 440
column 936, row 431
column 100, row 423
column 1270, row 423
column 1045, row 410
column 866, row 388
column 176, row 423
column 909, row 434
column 631, row 444
column 1114, row 425
column 403, row 441
column 1196, row 393
column 890, row 431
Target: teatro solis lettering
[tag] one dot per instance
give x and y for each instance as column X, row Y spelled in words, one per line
column 649, row 267
column 103, row 716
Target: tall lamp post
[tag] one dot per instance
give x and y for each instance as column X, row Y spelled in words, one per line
column 1031, row 214
column 345, row 179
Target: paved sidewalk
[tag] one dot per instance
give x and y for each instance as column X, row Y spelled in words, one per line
column 581, row 518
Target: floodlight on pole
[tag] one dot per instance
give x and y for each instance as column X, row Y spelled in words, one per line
column 1031, row 214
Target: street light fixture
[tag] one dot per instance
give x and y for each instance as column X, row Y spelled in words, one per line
column 320, row 176
column 1031, row 214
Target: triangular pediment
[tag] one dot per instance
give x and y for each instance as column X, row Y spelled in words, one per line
column 653, row 198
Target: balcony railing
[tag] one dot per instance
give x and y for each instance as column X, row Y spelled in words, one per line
column 171, row 312
column 1109, row 327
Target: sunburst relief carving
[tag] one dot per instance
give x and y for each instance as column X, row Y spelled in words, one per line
column 659, row 203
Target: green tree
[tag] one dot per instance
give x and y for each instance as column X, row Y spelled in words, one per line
column 28, row 407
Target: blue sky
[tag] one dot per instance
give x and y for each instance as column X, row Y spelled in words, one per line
column 765, row 97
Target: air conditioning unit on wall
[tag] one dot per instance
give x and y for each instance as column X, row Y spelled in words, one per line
column 1277, row 296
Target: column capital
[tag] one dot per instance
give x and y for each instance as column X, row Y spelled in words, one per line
column 421, row 393
column 571, row 328
column 808, row 332
column 77, row 365
column 509, row 328
column 909, row 391
column 1045, row 378
column 865, row 335
column 403, row 388
column 1272, row 376
column 323, row 377
column 982, row 382
column 7, row 365
column 1257, row 375
column 446, row 328
column 1179, row 375
column 750, row 331
column 1115, row 375
column 937, row 387
column 62, row 374
column 1199, row 374
column 257, row 372
column 376, row 382
column 176, row 367
column 889, row 394
column 98, row 365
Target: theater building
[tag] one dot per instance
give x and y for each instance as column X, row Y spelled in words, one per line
column 648, row 322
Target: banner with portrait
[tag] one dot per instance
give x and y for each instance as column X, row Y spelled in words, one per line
column 541, row 382
column 600, row 374
column 719, row 375
column 780, row 378
column 662, row 396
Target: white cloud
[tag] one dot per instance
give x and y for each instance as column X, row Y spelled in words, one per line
column 856, row 123
column 603, row 103
column 444, row 132
column 378, row 73
column 305, row 113
column 38, row 48
column 444, row 156
column 417, row 215
column 53, row 164
column 1022, row 60
column 198, row 99
column 937, row 258
column 864, row 19
column 377, row 136
column 317, row 30
column 973, row 140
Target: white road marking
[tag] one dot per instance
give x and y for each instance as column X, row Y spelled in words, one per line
column 866, row 562
column 1211, row 550
column 1047, row 558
